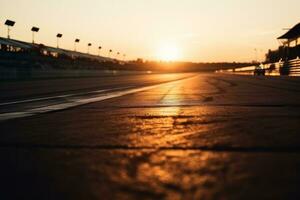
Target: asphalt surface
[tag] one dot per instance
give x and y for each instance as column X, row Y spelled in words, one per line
column 202, row 136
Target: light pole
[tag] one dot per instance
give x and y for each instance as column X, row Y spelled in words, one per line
column 109, row 52
column 99, row 50
column 124, row 55
column 88, row 50
column 118, row 53
column 76, row 41
column 34, row 29
column 9, row 24
column 59, row 35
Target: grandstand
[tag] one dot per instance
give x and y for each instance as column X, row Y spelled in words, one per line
column 15, row 46
column 290, row 48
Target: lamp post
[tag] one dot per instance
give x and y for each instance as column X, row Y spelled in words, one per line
column 76, row 41
column 99, row 50
column 88, row 50
column 118, row 53
column 34, row 30
column 124, row 55
column 109, row 52
column 9, row 24
column 59, row 35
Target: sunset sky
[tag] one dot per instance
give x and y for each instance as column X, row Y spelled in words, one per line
column 186, row 30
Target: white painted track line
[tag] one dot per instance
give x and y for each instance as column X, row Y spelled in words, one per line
column 78, row 101
column 59, row 96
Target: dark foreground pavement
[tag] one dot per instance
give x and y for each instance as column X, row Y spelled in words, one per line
column 208, row 137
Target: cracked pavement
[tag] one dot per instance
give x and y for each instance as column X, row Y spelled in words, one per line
column 211, row 136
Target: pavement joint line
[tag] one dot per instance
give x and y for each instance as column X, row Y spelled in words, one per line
column 84, row 101
column 257, row 149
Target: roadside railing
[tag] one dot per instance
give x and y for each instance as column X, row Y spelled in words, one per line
column 291, row 68
column 294, row 69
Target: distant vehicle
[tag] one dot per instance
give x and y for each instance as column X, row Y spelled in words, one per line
column 259, row 70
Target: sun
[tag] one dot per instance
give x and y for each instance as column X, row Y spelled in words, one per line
column 168, row 52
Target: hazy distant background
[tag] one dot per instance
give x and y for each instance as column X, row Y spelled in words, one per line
column 202, row 30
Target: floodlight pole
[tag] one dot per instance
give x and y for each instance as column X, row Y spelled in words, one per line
column 8, row 31
column 109, row 52
column 99, row 50
column 34, row 29
column 9, row 24
column 58, row 36
column 32, row 37
column 76, row 41
column 88, row 50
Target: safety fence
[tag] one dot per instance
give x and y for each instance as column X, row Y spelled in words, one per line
column 290, row 68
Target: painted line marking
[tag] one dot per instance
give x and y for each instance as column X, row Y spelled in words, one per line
column 80, row 101
column 59, row 96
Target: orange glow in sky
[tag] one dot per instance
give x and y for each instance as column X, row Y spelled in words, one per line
column 189, row 30
column 168, row 52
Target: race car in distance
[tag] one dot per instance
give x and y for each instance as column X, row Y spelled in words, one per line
column 259, row 70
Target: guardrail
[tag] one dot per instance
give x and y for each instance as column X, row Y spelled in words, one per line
column 291, row 68
column 294, row 69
